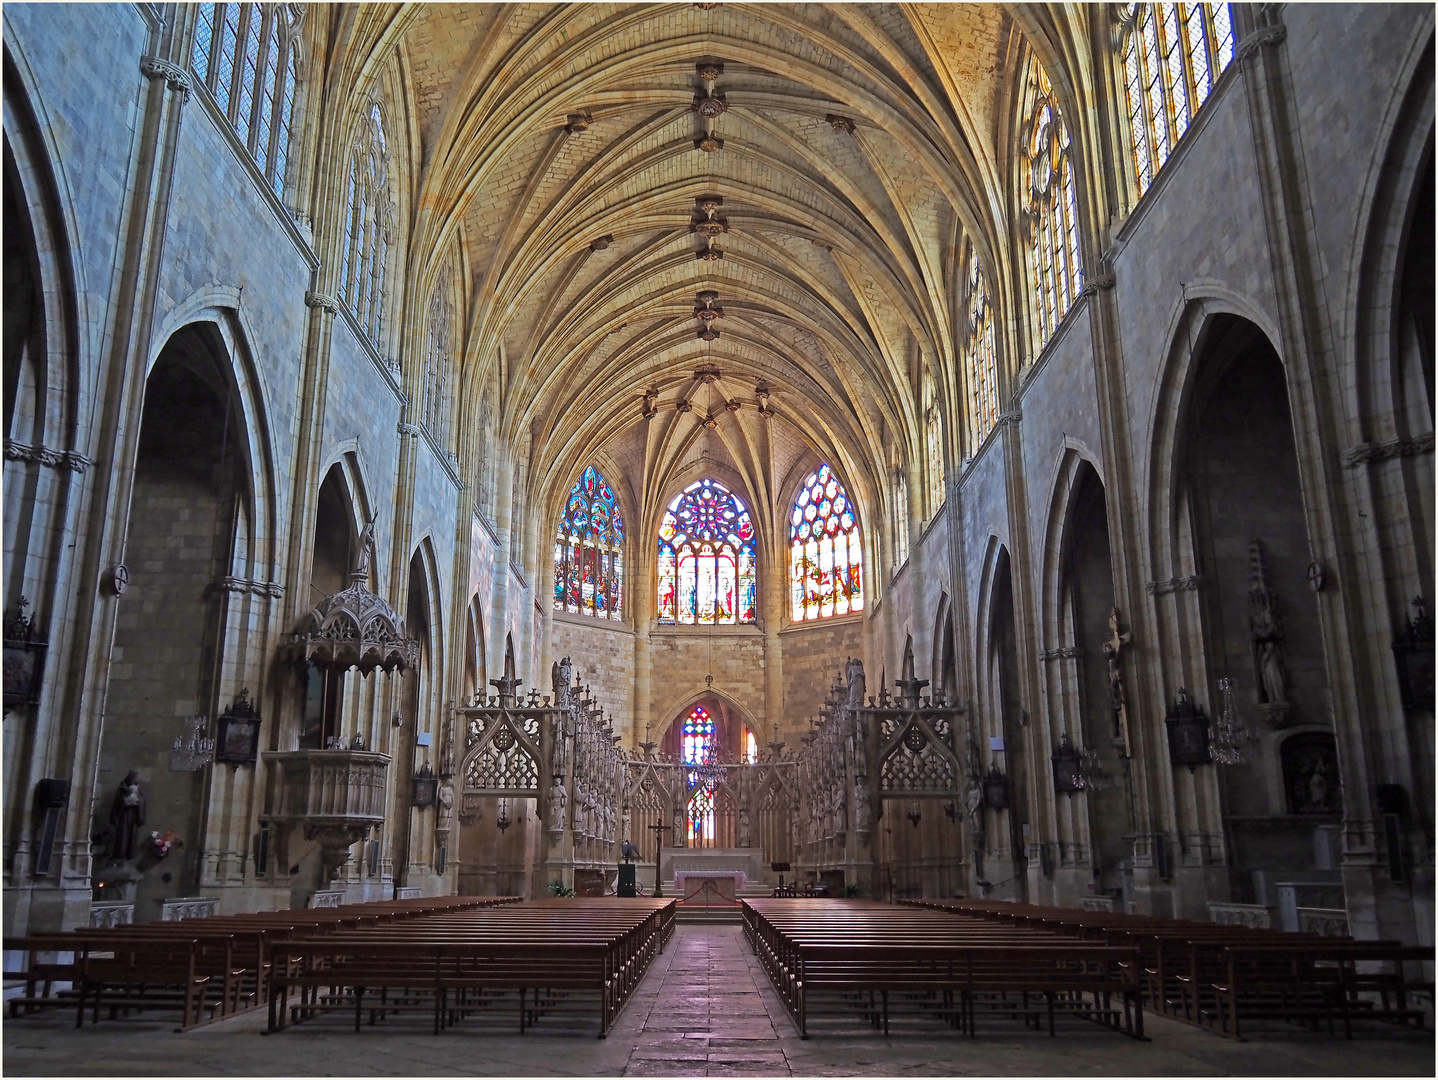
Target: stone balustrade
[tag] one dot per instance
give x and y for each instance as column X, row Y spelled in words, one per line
column 177, row 908
column 1254, row 915
column 1096, row 903
column 106, row 915
column 1326, row 922
column 327, row 898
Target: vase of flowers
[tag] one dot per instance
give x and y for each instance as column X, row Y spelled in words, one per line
column 162, row 844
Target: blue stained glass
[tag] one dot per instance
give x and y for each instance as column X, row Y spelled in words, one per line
column 825, row 550
column 588, row 569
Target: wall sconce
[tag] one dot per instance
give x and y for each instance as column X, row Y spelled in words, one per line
column 425, row 786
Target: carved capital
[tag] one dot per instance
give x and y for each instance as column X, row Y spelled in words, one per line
column 1011, row 417
column 153, row 67
column 43, row 455
column 232, row 584
column 1172, row 585
column 323, row 302
column 1097, row 282
column 1369, row 452
column 409, row 429
column 840, row 123
column 1260, row 39
column 1070, row 652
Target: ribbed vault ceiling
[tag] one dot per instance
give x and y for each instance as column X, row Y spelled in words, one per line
column 557, row 145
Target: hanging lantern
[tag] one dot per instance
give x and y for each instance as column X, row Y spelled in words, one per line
column 996, row 788
column 1187, row 732
column 1068, row 768
column 237, row 738
column 426, row 784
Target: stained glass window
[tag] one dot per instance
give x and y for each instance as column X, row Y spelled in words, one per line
column 982, row 360
column 697, row 748
column 366, row 226
column 825, row 554
column 933, row 443
column 589, row 551
column 1171, row 53
column 245, row 54
column 1050, row 211
column 706, row 558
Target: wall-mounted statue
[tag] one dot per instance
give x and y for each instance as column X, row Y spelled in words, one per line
column 127, row 814
column 1118, row 693
column 1265, row 627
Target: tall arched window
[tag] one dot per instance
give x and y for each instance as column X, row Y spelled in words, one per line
column 933, row 443
column 1172, row 54
column 981, row 358
column 245, row 54
column 1050, row 210
column 589, row 551
column 439, row 358
column 706, row 558
column 825, row 554
column 698, row 748
column 366, row 225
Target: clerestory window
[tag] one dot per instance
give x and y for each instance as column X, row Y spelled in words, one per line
column 826, row 556
column 246, row 55
column 367, row 225
column 1050, row 210
column 1172, row 55
column 589, row 551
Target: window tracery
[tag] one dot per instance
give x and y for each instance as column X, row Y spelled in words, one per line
column 1050, row 209
column 367, row 225
column 982, row 358
column 589, row 551
column 1172, row 55
column 933, row 442
column 825, row 552
column 246, row 55
column 706, row 558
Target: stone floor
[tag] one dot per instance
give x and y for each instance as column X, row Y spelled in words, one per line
column 704, row 1009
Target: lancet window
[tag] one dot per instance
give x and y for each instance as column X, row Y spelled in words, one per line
column 825, row 552
column 698, row 738
column 933, row 443
column 367, row 225
column 1172, row 55
column 981, row 357
column 589, row 551
column 439, row 359
column 245, row 54
column 706, row 558
column 1050, row 209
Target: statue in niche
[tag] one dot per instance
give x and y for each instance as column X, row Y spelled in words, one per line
column 861, row 807
column 974, row 810
column 127, row 814
column 744, row 835
column 557, row 803
column 1266, row 629
column 680, row 832
column 626, row 822
column 1118, row 695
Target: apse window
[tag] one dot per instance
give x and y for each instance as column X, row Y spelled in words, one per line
column 1172, row 54
column 825, row 553
column 697, row 748
column 589, row 551
column 706, row 558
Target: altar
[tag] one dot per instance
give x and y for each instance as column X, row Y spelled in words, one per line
column 728, row 870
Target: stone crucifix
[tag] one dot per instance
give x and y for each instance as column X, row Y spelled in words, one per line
column 1118, row 696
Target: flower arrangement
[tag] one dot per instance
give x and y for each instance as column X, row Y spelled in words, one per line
column 161, row 845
